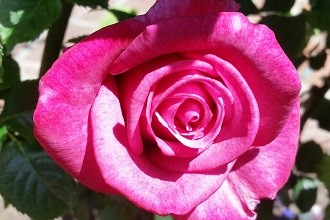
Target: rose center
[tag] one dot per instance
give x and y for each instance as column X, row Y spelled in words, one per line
column 188, row 116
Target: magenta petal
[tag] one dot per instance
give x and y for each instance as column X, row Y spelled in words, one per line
column 259, row 173
column 262, row 171
column 192, row 81
column 142, row 182
column 164, row 9
column 231, row 141
column 136, row 84
column 81, row 119
column 252, row 49
column 67, row 91
column 224, row 204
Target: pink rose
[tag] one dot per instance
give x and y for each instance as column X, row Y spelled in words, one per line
column 188, row 110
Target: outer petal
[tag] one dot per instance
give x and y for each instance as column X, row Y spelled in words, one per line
column 134, row 87
column 251, row 49
column 224, row 204
column 259, row 173
column 67, row 92
column 142, row 182
column 164, row 9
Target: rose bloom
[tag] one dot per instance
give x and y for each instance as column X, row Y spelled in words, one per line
column 189, row 110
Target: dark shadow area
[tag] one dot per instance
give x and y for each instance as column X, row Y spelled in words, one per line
column 322, row 114
column 278, row 5
column 142, row 161
column 289, row 31
column 246, row 158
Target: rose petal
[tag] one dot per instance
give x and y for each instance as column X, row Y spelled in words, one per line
column 145, row 184
column 168, row 144
column 164, row 9
column 272, row 162
column 191, row 112
column 135, row 86
column 252, row 49
column 224, row 204
column 231, row 141
column 273, row 108
column 259, row 173
column 67, row 92
column 178, row 82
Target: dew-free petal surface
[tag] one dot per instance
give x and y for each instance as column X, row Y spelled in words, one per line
column 251, row 49
column 259, row 173
column 262, row 171
column 67, row 91
column 224, row 204
column 164, row 9
column 140, row 181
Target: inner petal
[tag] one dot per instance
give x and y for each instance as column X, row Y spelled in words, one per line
column 181, row 130
column 181, row 90
column 188, row 123
column 136, row 84
column 188, row 115
column 182, row 114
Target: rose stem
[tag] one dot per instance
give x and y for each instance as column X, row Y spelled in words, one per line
column 54, row 38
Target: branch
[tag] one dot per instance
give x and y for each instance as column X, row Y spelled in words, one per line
column 54, row 38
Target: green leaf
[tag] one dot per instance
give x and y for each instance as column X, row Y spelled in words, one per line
column 91, row 3
column 309, row 154
column 10, row 74
column 20, row 102
column 81, row 209
column 11, row 71
column 25, row 20
column 76, row 39
column 323, row 170
column 123, row 15
column 318, row 19
column 320, row 5
column 319, row 16
column 22, row 97
column 163, row 217
column 284, row 196
column 3, row 133
column 1, row 51
column 88, row 200
column 327, row 213
column 117, row 207
column 34, row 184
column 305, row 194
column 115, row 15
column 2, row 71
column 21, row 124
